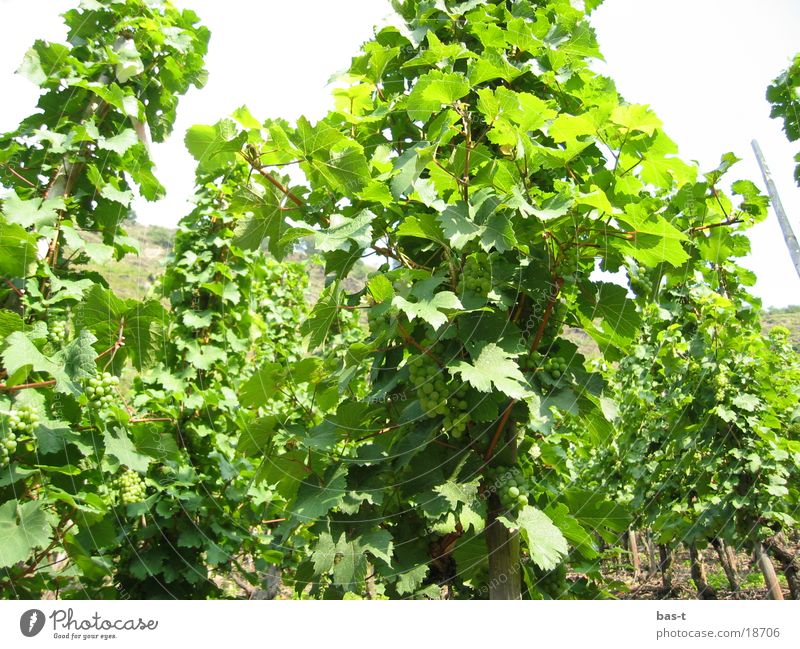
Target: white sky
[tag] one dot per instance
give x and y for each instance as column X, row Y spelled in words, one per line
column 703, row 65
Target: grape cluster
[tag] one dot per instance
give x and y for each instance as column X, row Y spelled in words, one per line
column 640, row 283
column 555, row 367
column 437, row 396
column 456, row 420
column 553, row 583
column 8, row 445
column 475, row 276
column 377, row 322
column 131, row 488
column 510, row 485
column 723, row 383
column 20, row 422
column 430, row 383
column 547, row 370
column 57, row 332
column 100, row 389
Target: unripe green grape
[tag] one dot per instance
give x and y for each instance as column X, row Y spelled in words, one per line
column 57, row 332
column 475, row 275
column 101, row 390
column 131, row 487
column 511, row 486
column 20, row 421
column 378, row 323
column 23, row 420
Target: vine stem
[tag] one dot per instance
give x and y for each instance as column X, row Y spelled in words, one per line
column 382, row 431
column 722, row 224
column 352, row 308
column 18, row 175
column 116, row 346
column 467, row 125
column 10, row 285
column 547, row 313
column 408, row 339
column 439, row 442
column 259, row 168
column 536, row 341
column 26, row 386
column 399, row 256
column 499, row 430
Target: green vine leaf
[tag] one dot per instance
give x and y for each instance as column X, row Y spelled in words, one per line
column 24, row 527
column 215, row 146
column 494, row 368
column 35, row 212
column 17, row 250
column 433, row 91
column 430, row 309
column 67, row 368
column 545, row 541
column 120, row 446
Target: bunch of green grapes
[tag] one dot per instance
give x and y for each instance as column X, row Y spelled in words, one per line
column 476, row 275
column 131, row 487
column 531, row 362
column 511, row 486
column 555, row 323
column 429, row 381
column 553, row 583
column 57, row 332
column 23, row 420
column 722, row 383
column 548, row 371
column 20, row 422
column 640, row 283
column 8, row 445
column 437, row 395
column 456, row 419
column 377, row 322
column 100, row 389
column 554, row 367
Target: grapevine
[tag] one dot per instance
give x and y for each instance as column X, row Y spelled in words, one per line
column 484, row 190
column 428, row 427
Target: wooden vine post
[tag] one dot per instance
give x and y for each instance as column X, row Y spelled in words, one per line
column 786, row 227
column 634, row 552
column 502, row 544
column 764, row 563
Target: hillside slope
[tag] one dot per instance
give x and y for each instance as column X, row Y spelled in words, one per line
column 134, row 276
